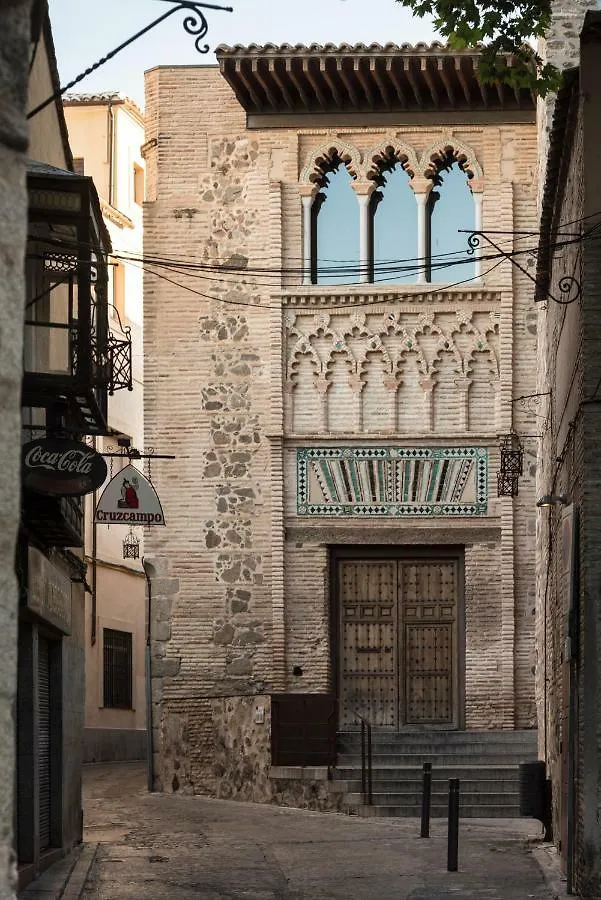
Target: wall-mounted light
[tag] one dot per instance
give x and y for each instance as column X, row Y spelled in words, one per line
column 511, row 467
column 552, row 500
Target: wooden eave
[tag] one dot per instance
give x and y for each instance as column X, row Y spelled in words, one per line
column 283, row 79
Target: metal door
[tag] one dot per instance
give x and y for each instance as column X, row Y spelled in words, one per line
column 44, row 741
column 398, row 642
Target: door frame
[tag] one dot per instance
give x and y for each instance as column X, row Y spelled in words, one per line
column 386, row 553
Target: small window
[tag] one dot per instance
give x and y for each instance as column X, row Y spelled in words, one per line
column 78, row 165
column 138, row 184
column 117, row 669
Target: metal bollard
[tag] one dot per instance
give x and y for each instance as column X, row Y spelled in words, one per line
column 453, row 842
column 370, row 798
column 426, row 796
column 363, row 769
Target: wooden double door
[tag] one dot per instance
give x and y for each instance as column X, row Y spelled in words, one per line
column 398, row 642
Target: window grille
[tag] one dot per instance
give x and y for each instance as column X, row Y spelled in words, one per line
column 117, row 669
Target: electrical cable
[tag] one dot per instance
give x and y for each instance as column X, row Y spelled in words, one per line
column 390, row 267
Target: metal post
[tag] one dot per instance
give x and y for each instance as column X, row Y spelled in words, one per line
column 363, row 772
column 369, row 793
column 453, row 841
column 426, row 795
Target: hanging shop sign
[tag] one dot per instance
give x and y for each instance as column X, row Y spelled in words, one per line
column 48, row 591
column 61, row 467
column 129, row 499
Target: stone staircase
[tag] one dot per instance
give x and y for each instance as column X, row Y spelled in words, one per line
column 486, row 762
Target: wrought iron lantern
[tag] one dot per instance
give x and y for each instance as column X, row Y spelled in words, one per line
column 512, row 466
column 131, row 546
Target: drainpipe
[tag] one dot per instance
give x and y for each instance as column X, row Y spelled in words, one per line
column 148, row 667
column 94, row 564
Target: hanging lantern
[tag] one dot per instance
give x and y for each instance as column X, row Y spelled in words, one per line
column 507, row 485
column 512, row 466
column 131, row 546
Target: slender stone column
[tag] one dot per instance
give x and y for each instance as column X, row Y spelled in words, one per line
column 463, row 386
column 363, row 190
column 307, row 201
column 427, row 384
column 363, row 238
column 421, row 200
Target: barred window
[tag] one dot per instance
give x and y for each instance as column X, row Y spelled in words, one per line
column 117, row 669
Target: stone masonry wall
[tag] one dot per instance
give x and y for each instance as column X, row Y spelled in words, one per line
column 14, row 56
column 251, row 603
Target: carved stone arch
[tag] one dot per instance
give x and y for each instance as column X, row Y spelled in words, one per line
column 409, row 346
column 446, row 345
column 451, row 147
column 303, row 347
column 391, row 148
column 374, row 345
column 319, row 161
column 346, row 355
column 492, row 361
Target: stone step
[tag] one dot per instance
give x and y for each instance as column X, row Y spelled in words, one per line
column 467, row 798
column 453, row 737
column 439, row 786
column 438, row 759
column 441, row 772
column 496, row 811
column 454, row 745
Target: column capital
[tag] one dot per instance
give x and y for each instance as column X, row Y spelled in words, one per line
column 421, row 185
column 363, row 189
column 307, row 191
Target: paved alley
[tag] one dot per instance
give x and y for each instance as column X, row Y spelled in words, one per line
column 181, row 847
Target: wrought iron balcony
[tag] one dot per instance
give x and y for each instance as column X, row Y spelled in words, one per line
column 55, row 521
column 71, row 356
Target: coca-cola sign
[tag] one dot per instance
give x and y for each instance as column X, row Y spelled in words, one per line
column 61, row 467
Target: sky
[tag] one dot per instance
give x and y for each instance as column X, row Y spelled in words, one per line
column 82, row 39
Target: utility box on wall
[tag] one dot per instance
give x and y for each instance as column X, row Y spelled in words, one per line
column 303, row 730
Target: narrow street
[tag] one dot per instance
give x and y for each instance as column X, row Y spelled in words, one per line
column 153, row 846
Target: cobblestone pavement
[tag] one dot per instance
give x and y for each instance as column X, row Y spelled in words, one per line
column 153, row 846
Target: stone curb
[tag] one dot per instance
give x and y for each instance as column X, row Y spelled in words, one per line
column 548, row 860
column 65, row 879
column 79, row 873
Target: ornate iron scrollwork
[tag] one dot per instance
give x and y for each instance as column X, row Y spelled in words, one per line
column 531, row 403
column 113, row 363
column 569, row 286
column 195, row 24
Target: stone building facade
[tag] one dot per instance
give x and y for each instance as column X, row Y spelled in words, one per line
column 15, row 35
column 332, row 516
column 106, row 132
column 568, row 477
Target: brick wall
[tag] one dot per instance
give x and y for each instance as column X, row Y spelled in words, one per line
column 253, row 598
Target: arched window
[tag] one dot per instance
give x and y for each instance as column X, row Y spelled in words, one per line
column 335, row 227
column 450, row 208
column 393, row 224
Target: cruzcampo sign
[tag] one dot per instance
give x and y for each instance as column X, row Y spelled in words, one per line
column 129, row 499
column 61, row 467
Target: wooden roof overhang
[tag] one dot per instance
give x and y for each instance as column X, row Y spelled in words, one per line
column 275, row 80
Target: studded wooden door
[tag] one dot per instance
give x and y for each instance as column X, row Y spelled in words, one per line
column 398, row 642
